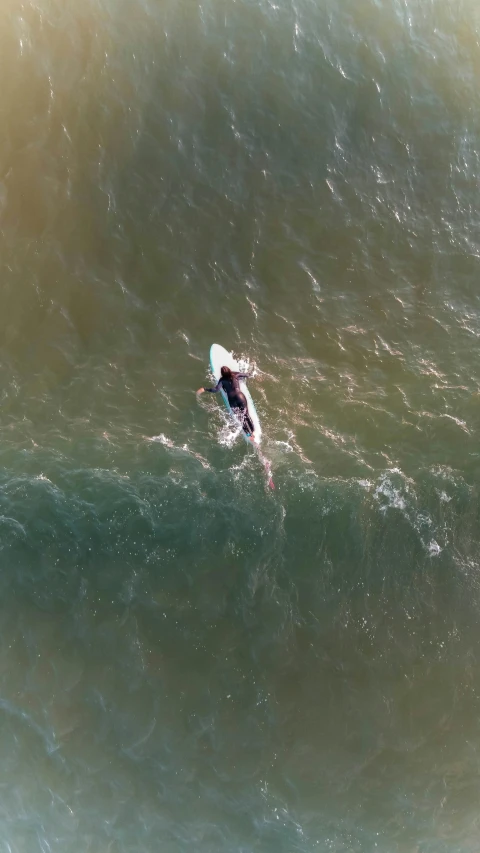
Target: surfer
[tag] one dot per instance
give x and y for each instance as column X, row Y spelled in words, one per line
column 229, row 383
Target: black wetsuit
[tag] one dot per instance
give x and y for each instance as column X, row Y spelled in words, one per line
column 236, row 398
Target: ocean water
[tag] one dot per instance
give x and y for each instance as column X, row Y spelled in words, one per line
column 189, row 661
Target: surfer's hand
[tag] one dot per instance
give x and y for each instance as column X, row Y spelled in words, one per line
column 200, row 390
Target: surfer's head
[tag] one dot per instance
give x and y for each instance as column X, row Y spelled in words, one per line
column 226, row 373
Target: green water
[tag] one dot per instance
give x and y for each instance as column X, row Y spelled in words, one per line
column 188, row 661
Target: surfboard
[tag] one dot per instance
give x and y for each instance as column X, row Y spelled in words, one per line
column 220, row 357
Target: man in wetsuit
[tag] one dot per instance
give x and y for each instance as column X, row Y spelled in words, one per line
column 230, row 384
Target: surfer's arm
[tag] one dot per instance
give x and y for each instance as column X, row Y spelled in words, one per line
column 243, row 375
column 218, row 387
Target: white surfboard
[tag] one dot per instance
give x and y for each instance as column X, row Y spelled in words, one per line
column 220, row 357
